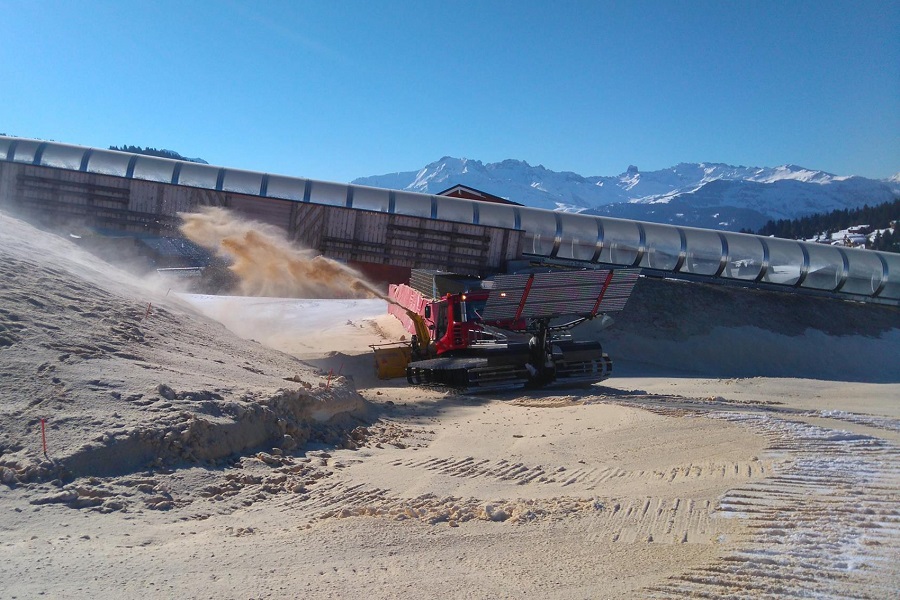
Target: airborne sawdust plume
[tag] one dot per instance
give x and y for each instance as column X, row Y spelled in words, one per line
column 268, row 264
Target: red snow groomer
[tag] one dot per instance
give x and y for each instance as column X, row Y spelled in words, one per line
column 509, row 330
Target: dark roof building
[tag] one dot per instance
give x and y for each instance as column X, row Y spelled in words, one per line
column 469, row 193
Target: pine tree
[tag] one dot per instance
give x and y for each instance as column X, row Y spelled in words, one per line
column 879, row 217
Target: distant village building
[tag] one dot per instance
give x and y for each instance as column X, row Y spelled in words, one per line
column 850, row 240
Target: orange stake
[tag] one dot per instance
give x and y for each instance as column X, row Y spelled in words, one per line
column 44, row 437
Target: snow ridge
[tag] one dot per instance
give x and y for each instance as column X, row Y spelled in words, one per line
column 700, row 194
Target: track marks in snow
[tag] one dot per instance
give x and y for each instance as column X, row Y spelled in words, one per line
column 626, row 520
column 588, row 478
column 826, row 524
column 341, row 500
column 658, row 520
column 885, row 423
column 671, row 520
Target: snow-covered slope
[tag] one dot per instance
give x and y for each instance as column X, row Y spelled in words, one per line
column 512, row 179
column 700, row 194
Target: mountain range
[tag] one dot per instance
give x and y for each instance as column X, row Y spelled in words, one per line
column 711, row 195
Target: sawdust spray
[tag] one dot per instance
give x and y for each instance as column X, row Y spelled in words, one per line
column 267, row 264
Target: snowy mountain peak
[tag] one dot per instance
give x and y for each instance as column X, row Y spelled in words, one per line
column 797, row 173
column 511, row 163
column 705, row 194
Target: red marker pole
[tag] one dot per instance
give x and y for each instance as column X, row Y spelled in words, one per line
column 44, row 436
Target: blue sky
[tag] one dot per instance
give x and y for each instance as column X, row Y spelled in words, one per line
column 342, row 89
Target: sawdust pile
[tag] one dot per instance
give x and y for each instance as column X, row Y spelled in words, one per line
column 270, row 265
column 104, row 377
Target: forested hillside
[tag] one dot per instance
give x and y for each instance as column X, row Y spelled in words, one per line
column 880, row 217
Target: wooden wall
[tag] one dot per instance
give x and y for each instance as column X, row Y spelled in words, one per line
column 58, row 196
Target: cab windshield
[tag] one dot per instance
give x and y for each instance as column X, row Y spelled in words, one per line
column 474, row 309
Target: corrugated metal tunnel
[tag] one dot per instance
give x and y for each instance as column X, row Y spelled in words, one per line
column 666, row 250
